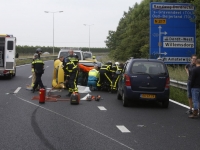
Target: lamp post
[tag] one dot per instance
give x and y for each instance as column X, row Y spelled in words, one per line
column 89, row 33
column 53, row 24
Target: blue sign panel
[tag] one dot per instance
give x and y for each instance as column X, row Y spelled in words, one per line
column 172, row 32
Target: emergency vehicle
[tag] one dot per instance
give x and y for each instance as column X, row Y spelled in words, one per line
column 7, row 55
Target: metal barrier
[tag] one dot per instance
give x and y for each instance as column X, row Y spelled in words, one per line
column 178, row 84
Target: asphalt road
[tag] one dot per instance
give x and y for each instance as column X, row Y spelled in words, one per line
column 91, row 125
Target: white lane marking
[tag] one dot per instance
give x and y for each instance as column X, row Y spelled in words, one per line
column 17, row 90
column 76, row 122
column 179, row 104
column 123, row 129
column 101, row 108
column 30, row 76
column 47, row 66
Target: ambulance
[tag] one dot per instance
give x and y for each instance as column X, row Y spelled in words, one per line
column 7, row 55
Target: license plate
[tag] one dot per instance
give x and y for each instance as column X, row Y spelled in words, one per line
column 148, row 96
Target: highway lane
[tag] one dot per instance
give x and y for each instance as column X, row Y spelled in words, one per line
column 26, row 124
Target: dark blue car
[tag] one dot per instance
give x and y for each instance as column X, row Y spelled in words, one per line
column 144, row 80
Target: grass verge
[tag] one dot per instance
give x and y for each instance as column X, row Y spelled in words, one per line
column 178, row 95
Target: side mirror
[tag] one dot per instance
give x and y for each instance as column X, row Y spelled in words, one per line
column 17, row 55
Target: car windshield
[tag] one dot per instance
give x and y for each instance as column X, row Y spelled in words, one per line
column 87, row 55
column 65, row 54
column 148, row 67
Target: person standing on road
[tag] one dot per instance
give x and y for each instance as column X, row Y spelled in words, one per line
column 116, row 71
column 38, row 66
column 33, row 71
column 195, row 88
column 188, row 69
column 105, row 75
column 71, row 71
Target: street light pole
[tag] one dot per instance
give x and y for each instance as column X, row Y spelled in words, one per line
column 53, row 24
column 89, row 33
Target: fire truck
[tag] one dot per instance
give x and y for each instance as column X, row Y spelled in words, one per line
column 7, row 55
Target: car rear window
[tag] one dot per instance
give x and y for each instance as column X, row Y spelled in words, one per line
column 148, row 67
column 87, row 55
column 65, row 54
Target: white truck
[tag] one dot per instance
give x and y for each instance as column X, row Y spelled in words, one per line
column 7, row 55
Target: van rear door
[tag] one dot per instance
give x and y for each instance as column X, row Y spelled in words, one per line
column 9, row 53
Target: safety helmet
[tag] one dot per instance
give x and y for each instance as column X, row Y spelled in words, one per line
column 38, row 50
column 109, row 63
column 116, row 63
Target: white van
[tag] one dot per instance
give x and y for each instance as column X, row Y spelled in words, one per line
column 65, row 53
column 7, row 55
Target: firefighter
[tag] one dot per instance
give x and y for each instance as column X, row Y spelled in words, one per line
column 70, row 67
column 116, row 71
column 93, row 77
column 32, row 70
column 105, row 75
column 38, row 66
column 39, row 52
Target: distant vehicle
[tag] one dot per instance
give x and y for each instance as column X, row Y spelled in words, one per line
column 144, row 80
column 65, row 53
column 46, row 53
column 87, row 55
column 8, row 55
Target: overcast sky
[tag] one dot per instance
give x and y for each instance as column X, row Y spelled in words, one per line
column 27, row 21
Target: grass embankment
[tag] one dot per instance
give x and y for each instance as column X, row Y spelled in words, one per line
column 178, row 73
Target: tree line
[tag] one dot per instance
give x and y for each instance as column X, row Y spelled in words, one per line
column 31, row 49
column 131, row 38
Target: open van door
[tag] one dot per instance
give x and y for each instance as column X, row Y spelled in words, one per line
column 9, row 53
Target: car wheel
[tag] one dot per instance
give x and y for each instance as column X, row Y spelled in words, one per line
column 124, row 100
column 165, row 103
column 14, row 74
column 119, row 97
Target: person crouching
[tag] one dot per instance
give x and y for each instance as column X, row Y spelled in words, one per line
column 93, row 77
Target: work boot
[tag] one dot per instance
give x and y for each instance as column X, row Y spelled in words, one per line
column 189, row 111
column 33, row 90
column 194, row 115
column 69, row 94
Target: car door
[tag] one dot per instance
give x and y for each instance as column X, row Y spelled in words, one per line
column 9, row 53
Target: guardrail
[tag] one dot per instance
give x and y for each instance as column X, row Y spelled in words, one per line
column 178, row 84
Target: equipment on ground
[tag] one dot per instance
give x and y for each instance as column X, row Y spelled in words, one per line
column 42, row 95
column 75, row 98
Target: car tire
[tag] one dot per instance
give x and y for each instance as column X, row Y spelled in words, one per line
column 124, row 100
column 165, row 103
column 14, row 74
column 119, row 97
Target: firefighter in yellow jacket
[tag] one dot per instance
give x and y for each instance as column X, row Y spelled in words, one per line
column 71, row 70
column 105, row 75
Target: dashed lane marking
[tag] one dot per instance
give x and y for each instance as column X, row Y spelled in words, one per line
column 98, row 132
column 102, row 108
column 17, row 90
column 30, row 76
column 123, row 129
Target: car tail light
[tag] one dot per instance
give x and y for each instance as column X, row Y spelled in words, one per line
column 167, row 83
column 5, row 71
column 127, row 80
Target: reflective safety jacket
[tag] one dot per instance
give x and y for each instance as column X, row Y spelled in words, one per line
column 38, row 66
column 93, row 75
column 105, row 68
column 70, row 64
